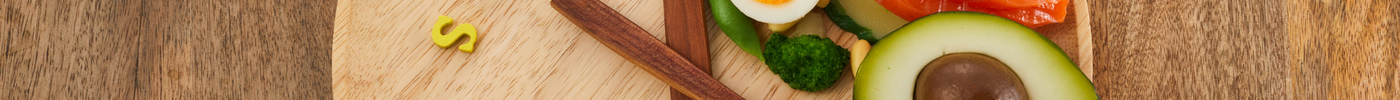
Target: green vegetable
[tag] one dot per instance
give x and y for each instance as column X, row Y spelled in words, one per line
column 737, row 26
column 810, row 24
column 838, row 16
column 890, row 69
column 807, row 62
column 864, row 18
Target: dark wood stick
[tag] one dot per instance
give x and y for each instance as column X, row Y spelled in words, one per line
column 685, row 33
column 636, row 45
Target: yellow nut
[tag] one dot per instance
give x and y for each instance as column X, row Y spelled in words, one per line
column 858, row 51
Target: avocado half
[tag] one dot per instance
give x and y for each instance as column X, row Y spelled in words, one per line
column 890, row 70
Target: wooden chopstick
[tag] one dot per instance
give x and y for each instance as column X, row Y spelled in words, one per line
column 636, row 45
column 685, row 33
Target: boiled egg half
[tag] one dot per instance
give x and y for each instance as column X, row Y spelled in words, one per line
column 775, row 11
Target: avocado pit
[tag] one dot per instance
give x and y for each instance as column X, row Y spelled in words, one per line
column 968, row 76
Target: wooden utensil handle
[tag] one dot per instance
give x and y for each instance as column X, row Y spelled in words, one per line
column 685, row 33
column 636, row 45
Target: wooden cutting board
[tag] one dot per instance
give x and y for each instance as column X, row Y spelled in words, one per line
column 382, row 50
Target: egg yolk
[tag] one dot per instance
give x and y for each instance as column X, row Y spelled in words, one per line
column 772, row 2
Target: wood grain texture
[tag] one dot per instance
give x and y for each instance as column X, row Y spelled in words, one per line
column 54, row 51
column 1190, row 49
column 165, row 49
column 528, row 51
column 1344, row 49
column 1246, row 49
column 272, row 49
column 685, row 33
column 626, row 38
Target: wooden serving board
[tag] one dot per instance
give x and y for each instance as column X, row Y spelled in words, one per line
column 527, row 50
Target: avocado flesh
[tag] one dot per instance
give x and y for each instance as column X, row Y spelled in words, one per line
column 893, row 65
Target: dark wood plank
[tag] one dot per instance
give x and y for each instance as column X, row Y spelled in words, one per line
column 1344, row 49
column 685, row 33
column 629, row 40
column 166, row 49
column 69, row 49
column 1212, row 49
column 267, row 49
column 1190, row 49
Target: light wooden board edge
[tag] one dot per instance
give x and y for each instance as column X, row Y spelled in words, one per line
column 1086, row 38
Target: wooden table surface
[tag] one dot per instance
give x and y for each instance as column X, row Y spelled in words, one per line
column 1144, row 49
column 1241, row 49
column 165, row 49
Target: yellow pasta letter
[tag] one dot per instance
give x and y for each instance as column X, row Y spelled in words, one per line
column 445, row 41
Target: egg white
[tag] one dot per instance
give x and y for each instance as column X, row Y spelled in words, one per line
column 779, row 13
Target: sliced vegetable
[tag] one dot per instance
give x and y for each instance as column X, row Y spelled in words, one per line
column 737, row 26
column 894, row 65
column 811, row 24
column 864, row 18
column 1031, row 13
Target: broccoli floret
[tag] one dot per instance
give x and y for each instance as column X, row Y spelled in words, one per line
column 806, row 62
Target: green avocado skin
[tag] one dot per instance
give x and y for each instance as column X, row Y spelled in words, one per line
column 808, row 62
column 891, row 68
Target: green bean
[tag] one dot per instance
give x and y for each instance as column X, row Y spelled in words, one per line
column 737, row 26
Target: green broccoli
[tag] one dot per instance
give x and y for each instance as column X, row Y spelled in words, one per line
column 806, row 62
